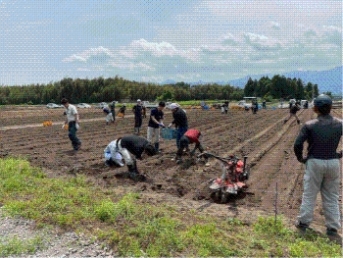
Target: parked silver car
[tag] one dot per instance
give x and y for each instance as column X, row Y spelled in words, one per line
column 83, row 105
column 101, row 105
column 52, row 105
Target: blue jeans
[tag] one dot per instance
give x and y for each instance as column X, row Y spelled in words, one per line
column 75, row 142
column 180, row 132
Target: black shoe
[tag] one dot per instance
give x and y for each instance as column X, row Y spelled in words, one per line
column 334, row 236
column 78, row 146
column 301, row 227
column 298, row 121
column 137, row 177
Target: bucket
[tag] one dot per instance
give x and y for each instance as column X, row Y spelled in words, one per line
column 168, row 133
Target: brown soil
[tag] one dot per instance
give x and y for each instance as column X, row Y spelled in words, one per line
column 275, row 184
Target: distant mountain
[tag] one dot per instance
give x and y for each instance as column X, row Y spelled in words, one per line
column 328, row 80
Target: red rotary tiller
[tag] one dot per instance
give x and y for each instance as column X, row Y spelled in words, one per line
column 235, row 173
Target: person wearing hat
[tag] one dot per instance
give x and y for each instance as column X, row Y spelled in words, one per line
column 180, row 121
column 322, row 173
column 137, row 146
column 138, row 111
column 72, row 120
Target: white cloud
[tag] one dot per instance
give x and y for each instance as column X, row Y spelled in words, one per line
column 239, row 37
column 275, row 25
column 99, row 53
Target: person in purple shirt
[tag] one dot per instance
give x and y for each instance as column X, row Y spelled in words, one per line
column 322, row 173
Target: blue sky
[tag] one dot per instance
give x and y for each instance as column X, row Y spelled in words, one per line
column 158, row 40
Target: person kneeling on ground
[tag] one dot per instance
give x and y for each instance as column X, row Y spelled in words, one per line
column 112, row 155
column 190, row 136
column 137, row 146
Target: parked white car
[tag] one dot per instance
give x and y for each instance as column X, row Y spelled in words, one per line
column 244, row 104
column 52, row 105
column 101, row 105
column 83, row 105
column 147, row 104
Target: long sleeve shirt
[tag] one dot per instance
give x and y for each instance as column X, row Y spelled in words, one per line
column 180, row 118
column 134, row 144
column 323, row 135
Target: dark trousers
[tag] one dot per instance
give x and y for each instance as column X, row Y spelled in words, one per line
column 184, row 144
column 113, row 114
column 138, row 121
column 180, row 131
column 75, row 142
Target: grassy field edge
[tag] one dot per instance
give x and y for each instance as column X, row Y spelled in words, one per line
column 132, row 228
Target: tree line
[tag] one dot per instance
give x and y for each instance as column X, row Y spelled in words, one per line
column 109, row 89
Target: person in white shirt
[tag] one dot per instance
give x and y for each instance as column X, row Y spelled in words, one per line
column 112, row 155
column 72, row 120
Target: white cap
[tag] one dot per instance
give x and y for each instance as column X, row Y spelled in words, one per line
column 138, row 100
column 173, row 106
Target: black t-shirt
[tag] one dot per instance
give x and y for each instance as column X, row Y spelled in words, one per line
column 134, row 144
column 295, row 108
column 158, row 114
column 180, row 118
column 137, row 109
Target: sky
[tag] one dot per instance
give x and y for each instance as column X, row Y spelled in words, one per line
column 155, row 41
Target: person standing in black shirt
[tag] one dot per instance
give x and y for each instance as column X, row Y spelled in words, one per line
column 112, row 107
column 180, row 121
column 155, row 122
column 293, row 112
column 323, row 172
column 138, row 111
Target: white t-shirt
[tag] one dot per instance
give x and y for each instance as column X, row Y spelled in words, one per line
column 71, row 112
column 111, row 151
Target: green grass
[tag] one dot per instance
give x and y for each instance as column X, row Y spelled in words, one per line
column 16, row 246
column 133, row 228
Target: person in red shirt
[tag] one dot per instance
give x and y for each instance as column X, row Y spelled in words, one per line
column 190, row 136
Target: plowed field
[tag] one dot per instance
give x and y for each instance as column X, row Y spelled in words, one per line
column 275, row 184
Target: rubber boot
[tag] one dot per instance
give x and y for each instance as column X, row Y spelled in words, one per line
column 178, row 159
column 157, row 147
column 134, row 174
column 132, row 171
